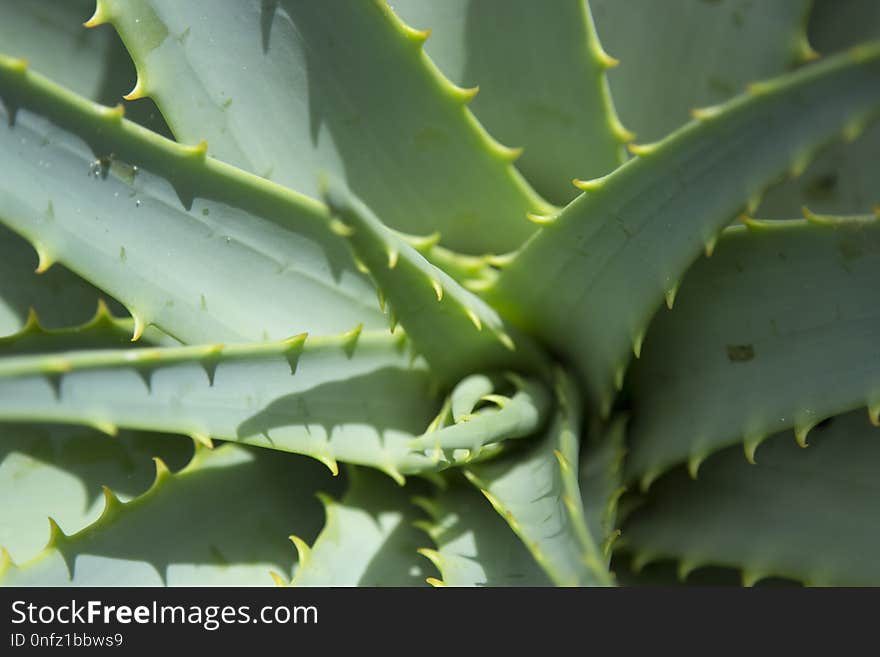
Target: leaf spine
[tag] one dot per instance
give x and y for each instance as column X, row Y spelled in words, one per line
column 438, row 289
column 540, row 219
column 393, row 256
column 138, row 91
column 341, row 228
column 637, row 344
column 694, row 463
column 44, row 259
column 303, row 551
column 278, row 579
column 589, row 185
column 640, row 150
column 100, row 16
column 670, row 296
column 474, row 318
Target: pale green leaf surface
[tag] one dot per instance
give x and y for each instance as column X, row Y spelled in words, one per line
column 204, row 251
column 58, row 471
column 601, row 268
column 475, row 547
column 439, row 315
column 59, row 297
column 846, row 178
column 680, row 54
column 555, row 106
column 807, row 514
column 358, row 398
column 368, row 538
column 302, row 88
column 778, row 329
column 93, row 63
column 536, row 491
column 222, row 520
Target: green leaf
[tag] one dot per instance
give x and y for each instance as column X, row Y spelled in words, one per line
column 556, row 106
column 845, row 178
column 321, row 75
column 809, row 515
column 178, row 533
column 58, row 471
column 601, row 268
column 355, row 398
column 537, row 492
column 600, row 480
column 58, row 296
column 475, row 547
column 368, row 539
column 438, row 314
column 247, row 261
column 778, row 329
column 680, row 54
column 49, row 34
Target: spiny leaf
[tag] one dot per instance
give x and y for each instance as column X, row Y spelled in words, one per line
column 601, row 481
column 678, row 55
column 83, row 184
column 49, row 34
column 475, row 547
column 537, row 492
column 599, row 271
column 556, row 107
column 179, row 532
column 519, row 415
column 59, row 297
column 58, row 471
column 368, row 538
column 438, row 314
column 321, row 75
column 357, row 399
column 844, row 179
column 778, row 329
column 809, row 515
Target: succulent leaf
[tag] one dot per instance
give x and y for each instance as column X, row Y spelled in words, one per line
column 757, row 333
column 438, row 314
column 178, row 532
column 195, row 276
column 845, row 178
column 681, row 54
column 354, row 398
column 537, row 492
column 599, row 271
column 556, row 107
column 809, row 515
column 315, row 73
column 58, row 471
column 58, row 296
column 368, row 539
column 475, row 547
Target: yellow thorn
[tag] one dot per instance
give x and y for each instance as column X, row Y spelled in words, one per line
column 693, row 465
column 750, row 579
column 431, row 555
column 137, row 91
column 105, row 427
column 606, row 61
column 499, row 400
column 198, row 150
column 670, row 296
column 139, row 326
column 813, row 218
column 393, row 255
column 99, row 17
column 56, row 534
column 637, row 344
column 418, row 36
column 563, row 462
column 467, row 95
column 438, row 289
column 278, row 579
column 340, row 228
column 541, row 219
column 436, row 583
column 750, row 446
column 32, row 323
column 709, row 247
column 703, row 113
column 303, row 551
column 162, row 471
column 589, row 185
column 474, row 318
column 641, row 149
column 620, row 132
column 800, row 434
column 202, row 439
column 331, row 464
column 394, row 473
column 618, row 377
column 44, row 259
column 647, row 479
column 506, row 340
column 685, row 568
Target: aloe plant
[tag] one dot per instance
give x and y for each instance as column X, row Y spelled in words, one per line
column 579, row 381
